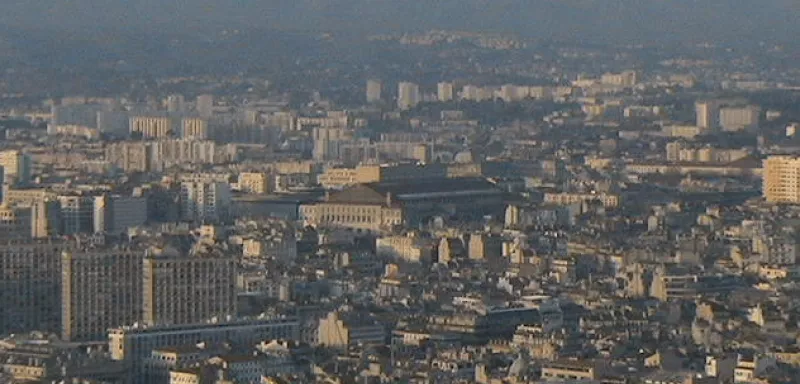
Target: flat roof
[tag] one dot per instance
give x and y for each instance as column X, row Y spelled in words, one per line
column 432, row 185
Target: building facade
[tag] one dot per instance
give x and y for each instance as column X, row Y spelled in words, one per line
column 203, row 201
column 707, row 114
column 152, row 126
column 100, row 289
column 194, row 128
column 374, row 91
column 254, row 182
column 30, row 282
column 781, row 179
column 17, row 167
column 135, row 343
column 77, row 214
column 188, row 289
column 16, row 223
column 115, row 214
column 408, row 95
column 444, row 92
column 380, row 206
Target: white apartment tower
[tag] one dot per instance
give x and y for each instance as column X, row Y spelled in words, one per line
column 205, row 106
column 194, row 128
column 205, row 201
column 408, row 95
column 444, row 91
column 151, row 126
column 707, row 112
column 327, row 142
column 374, row 88
column 745, row 118
column 781, row 179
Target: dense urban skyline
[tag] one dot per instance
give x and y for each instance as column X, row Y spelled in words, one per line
column 422, row 192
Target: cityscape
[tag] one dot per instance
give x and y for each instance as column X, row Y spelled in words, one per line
column 229, row 203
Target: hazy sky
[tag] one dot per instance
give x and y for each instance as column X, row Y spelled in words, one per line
column 566, row 19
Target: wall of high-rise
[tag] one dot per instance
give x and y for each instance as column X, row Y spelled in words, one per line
column 30, row 285
column 100, row 289
column 188, row 289
column 781, row 179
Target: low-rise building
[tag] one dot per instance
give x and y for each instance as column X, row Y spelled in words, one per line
column 344, row 329
column 568, row 198
column 408, row 248
column 570, row 370
column 133, row 344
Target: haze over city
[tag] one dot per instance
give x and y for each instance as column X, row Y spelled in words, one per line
column 577, row 20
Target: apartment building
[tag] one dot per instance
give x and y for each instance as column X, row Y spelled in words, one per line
column 30, row 282
column 100, row 289
column 781, row 179
column 187, row 289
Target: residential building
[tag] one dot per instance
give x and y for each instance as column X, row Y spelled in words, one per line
column 45, row 209
column 280, row 247
column 408, row 248
column 77, row 114
column 167, row 153
column 781, row 180
column 194, row 128
column 135, row 343
column 568, row 198
column 16, row 223
column 328, row 141
column 445, row 92
column 100, row 289
column 257, row 183
column 152, row 126
column 374, row 88
column 187, row 289
column 569, row 370
column 17, row 167
column 743, row 118
column 668, row 285
column 35, row 358
column 707, row 113
column 115, row 213
column 333, row 119
column 622, row 79
column 114, row 123
column 344, row 329
column 408, row 95
column 30, row 285
column 77, row 214
column 176, row 103
column 162, row 361
column 338, row 178
column 484, row 247
column 130, row 156
column 205, row 201
column 777, row 250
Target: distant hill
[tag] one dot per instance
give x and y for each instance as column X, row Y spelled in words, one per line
column 581, row 20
